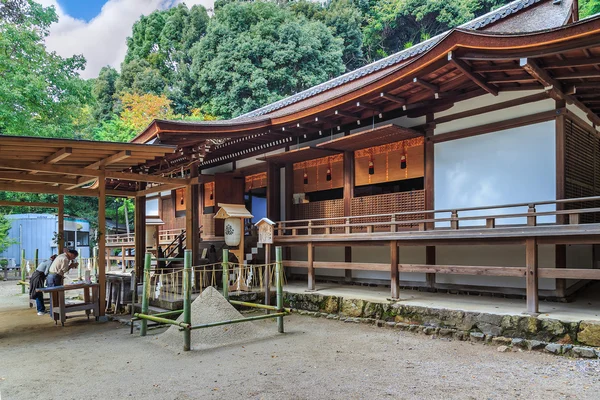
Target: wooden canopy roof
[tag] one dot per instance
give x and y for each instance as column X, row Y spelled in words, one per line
column 73, row 167
column 563, row 63
column 298, row 155
column 373, row 137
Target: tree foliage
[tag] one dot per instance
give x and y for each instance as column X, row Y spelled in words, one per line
column 256, row 53
column 588, row 7
column 41, row 93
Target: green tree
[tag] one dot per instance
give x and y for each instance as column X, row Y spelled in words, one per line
column 41, row 93
column 256, row 53
column 104, row 91
column 588, row 7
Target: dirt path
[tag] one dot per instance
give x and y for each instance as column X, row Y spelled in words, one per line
column 315, row 359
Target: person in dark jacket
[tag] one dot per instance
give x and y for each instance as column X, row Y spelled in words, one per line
column 37, row 281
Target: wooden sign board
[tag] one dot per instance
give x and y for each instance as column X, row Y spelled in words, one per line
column 266, row 231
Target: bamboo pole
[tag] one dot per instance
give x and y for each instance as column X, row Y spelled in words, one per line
column 95, row 263
column 145, row 318
column 161, row 314
column 23, row 276
column 258, row 305
column 187, row 298
column 278, row 271
column 145, row 293
column 235, row 321
column 226, row 273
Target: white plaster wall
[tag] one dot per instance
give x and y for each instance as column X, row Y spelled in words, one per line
column 496, row 116
column 515, row 165
column 503, row 255
column 218, row 169
column 406, row 255
column 579, row 256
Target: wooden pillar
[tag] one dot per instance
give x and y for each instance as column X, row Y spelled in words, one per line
column 192, row 206
column 289, row 193
column 140, row 236
column 311, row 267
column 102, row 242
column 560, row 250
column 531, row 261
column 429, row 194
column 273, row 192
column 348, row 196
column 395, row 276
column 61, row 224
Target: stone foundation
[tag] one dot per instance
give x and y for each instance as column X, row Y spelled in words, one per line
column 517, row 331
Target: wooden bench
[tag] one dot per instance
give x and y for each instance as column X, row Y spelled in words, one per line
column 59, row 308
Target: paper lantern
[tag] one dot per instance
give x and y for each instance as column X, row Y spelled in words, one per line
column 305, row 178
column 233, row 231
column 403, row 162
column 328, row 176
column 371, row 167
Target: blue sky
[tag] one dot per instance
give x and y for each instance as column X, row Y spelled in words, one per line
column 82, row 9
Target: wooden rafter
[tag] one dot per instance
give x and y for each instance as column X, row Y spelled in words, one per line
column 115, row 158
column 477, row 79
column 426, row 85
column 393, row 98
column 36, row 188
column 369, row 106
column 346, row 114
column 5, row 203
column 53, row 168
column 56, row 157
column 16, row 176
column 555, row 87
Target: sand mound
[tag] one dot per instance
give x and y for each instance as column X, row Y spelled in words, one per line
column 211, row 306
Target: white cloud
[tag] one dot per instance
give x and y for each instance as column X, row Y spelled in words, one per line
column 102, row 40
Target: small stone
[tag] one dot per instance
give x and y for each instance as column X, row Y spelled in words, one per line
column 402, row 325
column 459, row 335
column 488, row 339
column 446, row 332
column 536, row 345
column 553, row 348
column 503, row 349
column 584, row 352
column 324, row 315
column 477, row 336
column 428, row 330
column 567, row 348
column 518, row 342
column 380, row 323
column 501, row 340
column 390, row 324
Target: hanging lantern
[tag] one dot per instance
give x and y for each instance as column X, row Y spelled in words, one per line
column 305, row 178
column 371, row 166
column 211, row 195
column 328, row 173
column 233, row 229
column 403, row 162
column 181, row 201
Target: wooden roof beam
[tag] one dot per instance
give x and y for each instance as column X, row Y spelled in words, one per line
column 369, row 107
column 465, row 69
column 426, row 85
column 56, row 157
column 5, row 203
column 82, row 181
column 19, row 177
column 115, row 158
column 395, row 99
column 555, row 87
column 345, row 114
column 33, row 188
column 52, row 168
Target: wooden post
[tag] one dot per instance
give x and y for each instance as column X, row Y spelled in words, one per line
column 430, row 260
column 95, row 264
column 348, row 196
column 123, row 265
column 288, row 202
column 395, row 278
column 225, row 264
column 273, row 191
column 187, row 298
column 145, row 292
column 531, row 219
column 192, row 236
column 140, row 235
column 102, row 242
column 23, row 272
column 267, row 277
column 531, row 261
column 560, row 251
column 36, row 259
column 61, row 224
column 311, row 267
column 279, row 273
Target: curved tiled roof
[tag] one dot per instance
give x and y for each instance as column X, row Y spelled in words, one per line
column 475, row 24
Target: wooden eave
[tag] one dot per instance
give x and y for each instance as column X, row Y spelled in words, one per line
column 299, row 155
column 73, row 167
column 373, row 137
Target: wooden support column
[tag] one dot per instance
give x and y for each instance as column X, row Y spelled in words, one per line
column 531, row 261
column 429, row 195
column 395, row 276
column 192, row 236
column 61, row 224
column 289, row 201
column 348, row 196
column 273, row 192
column 311, row 267
column 102, row 242
column 560, row 250
column 140, row 236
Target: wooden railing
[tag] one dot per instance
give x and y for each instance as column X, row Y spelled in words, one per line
column 451, row 219
column 169, row 235
column 120, row 238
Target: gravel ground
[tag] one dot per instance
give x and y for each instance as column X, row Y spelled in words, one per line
column 315, row 359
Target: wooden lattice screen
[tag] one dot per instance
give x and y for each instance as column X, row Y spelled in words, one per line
column 387, row 204
column 582, row 167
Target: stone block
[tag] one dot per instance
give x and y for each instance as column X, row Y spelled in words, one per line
column 535, row 345
column 520, row 343
column 476, row 336
column 330, row 304
column 372, row 310
column 352, row 308
column 503, row 349
column 583, row 352
column 551, row 330
column 589, row 333
column 553, row 348
column 501, row 340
